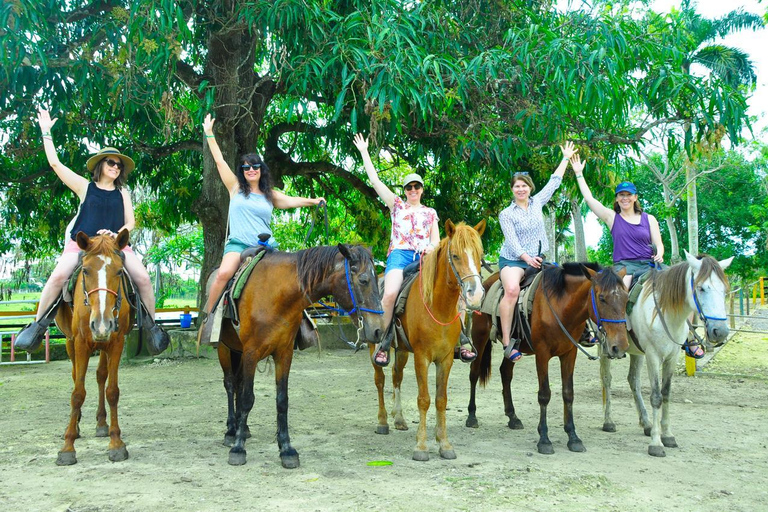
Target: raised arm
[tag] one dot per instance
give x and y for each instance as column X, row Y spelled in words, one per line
column 386, row 195
column 283, row 202
column 226, row 174
column 605, row 214
column 656, row 239
column 568, row 151
column 71, row 179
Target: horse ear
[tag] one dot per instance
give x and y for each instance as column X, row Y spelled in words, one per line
column 693, row 262
column 480, row 228
column 344, row 250
column 724, row 264
column 122, row 238
column 82, row 240
column 588, row 272
column 450, row 229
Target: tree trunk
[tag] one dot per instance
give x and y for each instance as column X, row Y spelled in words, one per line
column 671, row 226
column 580, row 246
column 693, row 209
column 550, row 224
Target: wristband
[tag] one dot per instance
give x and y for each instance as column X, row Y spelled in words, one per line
column 579, row 176
column 46, row 134
column 209, row 136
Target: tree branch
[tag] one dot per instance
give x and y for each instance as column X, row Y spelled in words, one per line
column 190, row 77
column 162, row 151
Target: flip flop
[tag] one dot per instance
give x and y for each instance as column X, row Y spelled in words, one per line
column 466, row 348
column 693, row 349
column 377, row 360
column 511, row 353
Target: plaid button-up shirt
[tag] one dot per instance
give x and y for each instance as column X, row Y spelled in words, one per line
column 523, row 229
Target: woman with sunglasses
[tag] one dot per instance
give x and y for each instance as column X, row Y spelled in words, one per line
column 105, row 209
column 522, row 223
column 251, row 200
column 415, row 232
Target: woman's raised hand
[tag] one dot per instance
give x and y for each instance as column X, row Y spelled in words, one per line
column 208, row 125
column 45, row 121
column 361, row 143
column 568, row 150
column 577, row 164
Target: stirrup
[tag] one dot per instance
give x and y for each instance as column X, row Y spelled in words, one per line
column 465, row 345
column 384, row 346
column 513, row 345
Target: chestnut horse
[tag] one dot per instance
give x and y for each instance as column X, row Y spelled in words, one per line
column 271, row 305
column 565, row 298
column 98, row 320
column 431, row 324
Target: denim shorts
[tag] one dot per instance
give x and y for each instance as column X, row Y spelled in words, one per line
column 504, row 262
column 398, row 259
column 634, row 267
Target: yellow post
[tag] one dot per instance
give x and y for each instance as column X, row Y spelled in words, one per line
column 762, row 291
column 754, row 295
column 690, row 366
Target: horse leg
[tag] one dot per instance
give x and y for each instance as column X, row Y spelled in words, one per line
column 102, row 429
column 441, row 402
column 117, row 450
column 482, row 341
column 635, row 369
column 567, row 363
column 230, row 363
column 656, row 448
column 545, row 394
column 421, row 453
column 67, row 456
column 401, row 359
column 244, row 399
column 606, row 379
column 507, row 370
column 283, row 358
column 379, row 379
column 668, row 369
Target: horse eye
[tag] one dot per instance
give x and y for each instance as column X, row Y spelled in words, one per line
column 602, row 298
column 85, row 272
column 353, row 268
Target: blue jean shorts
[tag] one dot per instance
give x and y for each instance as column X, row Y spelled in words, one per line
column 504, row 262
column 235, row 245
column 398, row 259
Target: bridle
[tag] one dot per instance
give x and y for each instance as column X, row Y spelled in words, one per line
column 602, row 335
column 118, row 294
column 356, row 308
column 459, row 280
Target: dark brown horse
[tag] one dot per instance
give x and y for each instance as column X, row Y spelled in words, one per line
column 431, row 324
column 570, row 293
column 99, row 319
column 281, row 286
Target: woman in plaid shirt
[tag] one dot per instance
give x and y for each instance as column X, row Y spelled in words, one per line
column 523, row 225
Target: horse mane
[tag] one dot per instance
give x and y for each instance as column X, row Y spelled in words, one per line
column 671, row 287
column 314, row 265
column 464, row 237
column 553, row 280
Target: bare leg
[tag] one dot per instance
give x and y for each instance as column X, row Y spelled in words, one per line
column 392, row 282
column 140, row 278
column 510, row 279
column 229, row 265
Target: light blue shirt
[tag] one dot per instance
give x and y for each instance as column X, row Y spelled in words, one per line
column 249, row 217
column 524, row 229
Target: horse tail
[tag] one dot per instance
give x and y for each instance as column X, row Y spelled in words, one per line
column 485, row 363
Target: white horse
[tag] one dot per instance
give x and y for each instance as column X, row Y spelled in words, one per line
column 658, row 324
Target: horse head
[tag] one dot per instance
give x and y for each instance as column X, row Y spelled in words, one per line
column 707, row 287
column 101, row 279
column 465, row 254
column 607, row 309
column 357, row 290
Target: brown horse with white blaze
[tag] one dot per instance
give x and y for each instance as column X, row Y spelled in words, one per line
column 431, row 324
column 98, row 320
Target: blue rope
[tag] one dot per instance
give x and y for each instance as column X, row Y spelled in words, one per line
column 355, row 307
column 597, row 314
column 698, row 306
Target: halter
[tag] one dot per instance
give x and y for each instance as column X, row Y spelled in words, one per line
column 702, row 316
column 600, row 320
column 459, row 281
column 355, row 306
column 118, row 296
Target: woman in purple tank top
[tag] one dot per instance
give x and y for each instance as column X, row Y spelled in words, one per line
column 633, row 232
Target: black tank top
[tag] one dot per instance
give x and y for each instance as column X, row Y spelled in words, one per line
column 101, row 209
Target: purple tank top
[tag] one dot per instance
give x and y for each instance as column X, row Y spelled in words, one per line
column 630, row 241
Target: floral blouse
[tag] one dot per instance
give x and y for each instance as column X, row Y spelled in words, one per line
column 411, row 226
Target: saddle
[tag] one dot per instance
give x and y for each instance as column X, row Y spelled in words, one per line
column 410, row 273
column 521, row 326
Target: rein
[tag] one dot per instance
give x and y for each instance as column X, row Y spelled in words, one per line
column 324, row 206
column 565, row 331
column 355, row 306
column 600, row 330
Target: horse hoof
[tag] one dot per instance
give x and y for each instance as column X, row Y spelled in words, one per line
column 576, row 446
column 66, row 459
column 472, row 423
column 118, row 455
column 290, row 461
column 656, row 451
column 609, row 427
column 247, row 432
column 515, row 424
column 401, row 426
column 420, row 455
column 102, row 431
column 669, row 442
column 382, row 429
column 647, row 431
column 545, row 448
column 229, row 440
column 236, row 457
column 447, row 454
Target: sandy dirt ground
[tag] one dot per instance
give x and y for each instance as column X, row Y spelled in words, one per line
column 172, row 414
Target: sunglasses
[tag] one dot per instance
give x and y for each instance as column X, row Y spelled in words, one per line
column 523, row 173
column 113, row 163
column 247, row 167
column 415, row 186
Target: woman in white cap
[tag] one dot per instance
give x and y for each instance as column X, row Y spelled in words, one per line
column 634, row 233
column 105, row 209
column 415, row 232
column 522, row 223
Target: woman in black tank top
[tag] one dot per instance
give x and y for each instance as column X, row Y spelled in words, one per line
column 105, row 208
